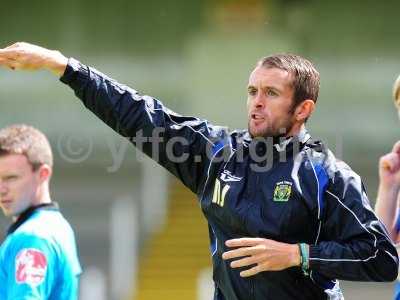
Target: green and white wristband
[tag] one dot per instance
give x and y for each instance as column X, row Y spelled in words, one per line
column 304, row 258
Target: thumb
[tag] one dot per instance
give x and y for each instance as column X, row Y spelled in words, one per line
column 396, row 148
column 390, row 162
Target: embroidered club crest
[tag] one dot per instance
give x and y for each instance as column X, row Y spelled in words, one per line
column 282, row 191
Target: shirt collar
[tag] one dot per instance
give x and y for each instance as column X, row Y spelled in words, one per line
column 302, row 137
column 29, row 212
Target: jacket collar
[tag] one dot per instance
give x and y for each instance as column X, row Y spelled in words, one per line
column 278, row 144
column 302, row 138
column 28, row 213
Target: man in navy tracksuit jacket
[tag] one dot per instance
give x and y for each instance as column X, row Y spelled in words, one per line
column 286, row 219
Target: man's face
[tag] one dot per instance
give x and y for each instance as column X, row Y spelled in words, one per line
column 18, row 184
column 269, row 102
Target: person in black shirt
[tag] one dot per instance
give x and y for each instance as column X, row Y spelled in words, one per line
column 286, row 219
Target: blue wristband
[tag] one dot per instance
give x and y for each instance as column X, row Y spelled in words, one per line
column 304, row 258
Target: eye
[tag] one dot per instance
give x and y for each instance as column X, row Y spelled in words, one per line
column 10, row 178
column 252, row 91
column 272, row 93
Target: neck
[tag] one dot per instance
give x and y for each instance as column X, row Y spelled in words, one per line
column 296, row 129
column 25, row 215
column 42, row 195
column 45, row 199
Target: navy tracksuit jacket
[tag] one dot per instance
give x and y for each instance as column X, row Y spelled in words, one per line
column 291, row 191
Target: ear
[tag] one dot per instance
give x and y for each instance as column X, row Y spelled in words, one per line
column 44, row 172
column 304, row 110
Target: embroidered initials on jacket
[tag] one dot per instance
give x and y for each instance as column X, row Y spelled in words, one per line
column 219, row 195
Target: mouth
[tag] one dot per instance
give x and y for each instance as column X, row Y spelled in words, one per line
column 6, row 202
column 257, row 117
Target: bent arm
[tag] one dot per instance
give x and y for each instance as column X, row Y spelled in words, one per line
column 386, row 209
column 354, row 244
column 386, row 206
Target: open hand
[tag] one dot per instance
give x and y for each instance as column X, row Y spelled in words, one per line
column 265, row 254
column 25, row 56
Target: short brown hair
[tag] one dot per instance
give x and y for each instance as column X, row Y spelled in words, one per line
column 28, row 141
column 305, row 77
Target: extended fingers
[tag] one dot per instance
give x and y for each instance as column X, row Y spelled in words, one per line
column 243, row 242
column 244, row 251
column 9, row 63
column 252, row 271
column 8, row 53
column 247, row 261
column 8, row 58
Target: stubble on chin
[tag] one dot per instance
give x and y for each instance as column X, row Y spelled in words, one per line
column 261, row 132
column 269, row 132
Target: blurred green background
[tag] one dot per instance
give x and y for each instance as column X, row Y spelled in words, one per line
column 196, row 57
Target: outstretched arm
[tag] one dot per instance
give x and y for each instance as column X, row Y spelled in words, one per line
column 184, row 145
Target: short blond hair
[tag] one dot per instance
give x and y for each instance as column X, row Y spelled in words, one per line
column 28, row 141
column 396, row 92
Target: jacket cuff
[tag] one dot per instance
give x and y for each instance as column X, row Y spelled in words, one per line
column 74, row 71
column 313, row 253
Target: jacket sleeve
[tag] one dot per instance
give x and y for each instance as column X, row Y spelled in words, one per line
column 31, row 266
column 353, row 244
column 183, row 145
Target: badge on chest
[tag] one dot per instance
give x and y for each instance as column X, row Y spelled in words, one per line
column 282, row 191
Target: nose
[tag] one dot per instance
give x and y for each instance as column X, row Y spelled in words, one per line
column 259, row 101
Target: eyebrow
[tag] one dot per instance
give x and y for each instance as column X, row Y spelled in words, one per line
column 266, row 87
column 9, row 175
